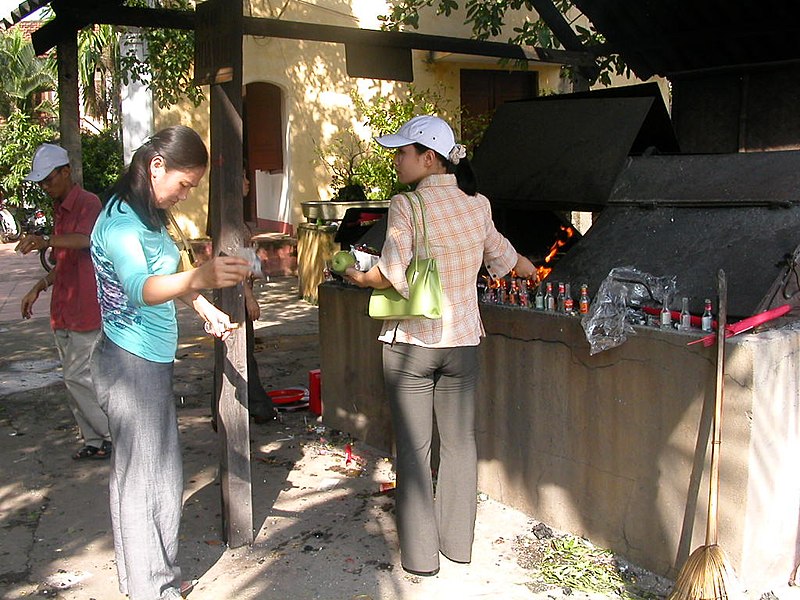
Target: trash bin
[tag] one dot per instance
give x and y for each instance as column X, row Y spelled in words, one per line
column 315, row 248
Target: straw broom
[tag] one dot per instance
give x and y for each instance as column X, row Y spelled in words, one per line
column 707, row 574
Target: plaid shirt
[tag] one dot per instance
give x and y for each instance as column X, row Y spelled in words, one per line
column 461, row 236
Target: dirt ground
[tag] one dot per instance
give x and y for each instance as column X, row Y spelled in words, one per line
column 324, row 527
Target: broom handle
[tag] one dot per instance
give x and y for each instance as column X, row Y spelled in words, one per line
column 716, row 440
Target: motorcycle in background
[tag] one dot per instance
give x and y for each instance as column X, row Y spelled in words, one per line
column 37, row 223
column 34, row 221
column 9, row 228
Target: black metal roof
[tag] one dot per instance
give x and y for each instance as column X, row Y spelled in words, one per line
column 24, row 9
column 667, row 37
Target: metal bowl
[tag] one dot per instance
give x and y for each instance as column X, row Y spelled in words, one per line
column 330, row 210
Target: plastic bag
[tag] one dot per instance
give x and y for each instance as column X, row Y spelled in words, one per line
column 617, row 304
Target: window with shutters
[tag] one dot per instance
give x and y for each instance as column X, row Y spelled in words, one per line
column 483, row 91
column 263, row 126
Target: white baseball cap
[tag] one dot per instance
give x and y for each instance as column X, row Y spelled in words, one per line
column 46, row 158
column 431, row 132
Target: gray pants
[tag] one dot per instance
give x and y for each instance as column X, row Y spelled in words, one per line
column 146, row 482
column 74, row 349
column 420, row 383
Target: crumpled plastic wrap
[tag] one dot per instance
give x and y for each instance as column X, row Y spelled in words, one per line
column 616, row 305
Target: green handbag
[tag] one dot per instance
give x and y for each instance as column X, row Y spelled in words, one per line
column 424, row 287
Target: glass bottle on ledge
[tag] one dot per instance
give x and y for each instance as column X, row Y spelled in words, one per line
column 549, row 300
column 707, row 319
column 569, row 303
column 686, row 318
column 523, row 293
column 583, row 303
column 561, row 297
column 513, row 293
column 539, row 299
column 665, row 320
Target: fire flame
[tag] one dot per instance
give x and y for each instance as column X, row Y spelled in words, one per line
column 542, row 271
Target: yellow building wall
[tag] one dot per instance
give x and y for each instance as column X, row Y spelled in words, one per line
column 316, row 91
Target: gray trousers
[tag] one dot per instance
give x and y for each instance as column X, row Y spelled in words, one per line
column 146, row 482
column 74, row 350
column 420, row 383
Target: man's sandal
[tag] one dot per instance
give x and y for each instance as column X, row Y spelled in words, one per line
column 102, row 452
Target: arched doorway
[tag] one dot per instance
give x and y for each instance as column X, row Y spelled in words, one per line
column 266, row 206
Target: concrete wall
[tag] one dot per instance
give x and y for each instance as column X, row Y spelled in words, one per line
column 611, row 446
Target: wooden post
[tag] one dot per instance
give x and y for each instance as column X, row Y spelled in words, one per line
column 219, row 35
column 68, row 103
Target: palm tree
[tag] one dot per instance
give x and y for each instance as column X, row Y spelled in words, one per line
column 99, row 72
column 26, row 77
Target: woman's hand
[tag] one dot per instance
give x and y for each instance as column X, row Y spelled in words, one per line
column 372, row 278
column 221, row 272
column 524, row 267
column 217, row 323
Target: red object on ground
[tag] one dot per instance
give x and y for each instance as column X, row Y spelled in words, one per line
column 348, row 454
column 315, row 391
column 286, row 396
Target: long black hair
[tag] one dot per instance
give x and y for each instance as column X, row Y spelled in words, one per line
column 181, row 148
column 465, row 176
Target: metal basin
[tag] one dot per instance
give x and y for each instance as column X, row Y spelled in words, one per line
column 329, row 210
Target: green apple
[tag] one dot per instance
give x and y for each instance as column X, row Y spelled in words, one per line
column 341, row 260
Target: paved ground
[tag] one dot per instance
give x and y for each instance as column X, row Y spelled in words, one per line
column 324, row 529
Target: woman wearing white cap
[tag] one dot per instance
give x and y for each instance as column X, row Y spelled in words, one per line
column 431, row 365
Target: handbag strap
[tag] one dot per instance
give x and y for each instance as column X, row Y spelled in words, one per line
column 179, row 231
column 416, row 226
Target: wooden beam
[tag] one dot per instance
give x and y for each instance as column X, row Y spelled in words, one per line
column 279, row 28
column 563, row 31
column 227, row 224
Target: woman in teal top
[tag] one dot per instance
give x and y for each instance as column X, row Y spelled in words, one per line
column 135, row 263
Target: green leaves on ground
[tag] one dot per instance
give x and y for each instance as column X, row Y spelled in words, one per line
column 570, row 562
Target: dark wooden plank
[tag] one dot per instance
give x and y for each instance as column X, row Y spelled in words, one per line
column 226, row 230
column 264, row 27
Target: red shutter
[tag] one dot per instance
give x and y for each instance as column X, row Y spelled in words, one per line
column 264, row 126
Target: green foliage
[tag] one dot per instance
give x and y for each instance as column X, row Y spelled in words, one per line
column 102, row 159
column 19, row 138
column 486, row 18
column 353, row 161
column 99, row 72
column 167, row 68
column 567, row 561
column 25, row 76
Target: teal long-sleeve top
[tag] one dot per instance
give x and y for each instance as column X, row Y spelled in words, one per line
column 125, row 254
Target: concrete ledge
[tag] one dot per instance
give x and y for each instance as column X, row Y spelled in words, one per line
column 613, row 446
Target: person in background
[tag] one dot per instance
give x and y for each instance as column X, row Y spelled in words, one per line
column 74, row 311
column 430, row 366
column 136, row 261
column 260, row 404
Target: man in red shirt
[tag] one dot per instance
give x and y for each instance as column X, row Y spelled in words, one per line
column 74, row 310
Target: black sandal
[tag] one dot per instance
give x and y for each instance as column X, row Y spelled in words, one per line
column 102, row 452
column 85, row 452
